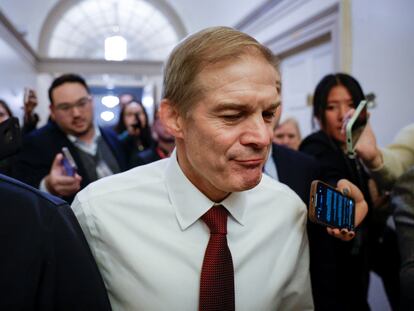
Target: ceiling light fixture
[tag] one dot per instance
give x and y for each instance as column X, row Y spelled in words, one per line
column 115, row 48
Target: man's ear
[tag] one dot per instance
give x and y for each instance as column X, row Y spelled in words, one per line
column 171, row 118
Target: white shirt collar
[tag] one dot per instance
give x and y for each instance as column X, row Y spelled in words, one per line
column 90, row 148
column 190, row 204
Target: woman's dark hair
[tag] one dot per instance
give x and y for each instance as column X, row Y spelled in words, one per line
column 145, row 133
column 320, row 97
column 6, row 107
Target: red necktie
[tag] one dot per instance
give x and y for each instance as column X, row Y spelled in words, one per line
column 217, row 275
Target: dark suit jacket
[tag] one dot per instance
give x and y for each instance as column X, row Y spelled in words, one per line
column 144, row 157
column 41, row 146
column 45, row 261
column 298, row 170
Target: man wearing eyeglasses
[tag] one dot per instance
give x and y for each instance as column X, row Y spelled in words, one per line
column 95, row 151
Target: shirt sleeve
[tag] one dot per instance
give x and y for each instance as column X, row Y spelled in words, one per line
column 298, row 293
column 398, row 158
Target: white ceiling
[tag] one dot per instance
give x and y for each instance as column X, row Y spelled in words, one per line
column 29, row 16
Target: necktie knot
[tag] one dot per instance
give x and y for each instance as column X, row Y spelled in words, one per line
column 216, row 219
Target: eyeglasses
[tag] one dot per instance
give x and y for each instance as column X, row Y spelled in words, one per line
column 80, row 104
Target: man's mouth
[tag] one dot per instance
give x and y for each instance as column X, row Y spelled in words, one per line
column 250, row 161
column 78, row 122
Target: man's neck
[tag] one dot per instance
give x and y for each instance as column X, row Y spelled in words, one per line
column 88, row 136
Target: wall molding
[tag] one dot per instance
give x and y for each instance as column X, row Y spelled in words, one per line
column 266, row 14
column 331, row 24
column 97, row 66
column 323, row 25
column 15, row 39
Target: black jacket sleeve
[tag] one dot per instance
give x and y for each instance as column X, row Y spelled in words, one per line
column 45, row 262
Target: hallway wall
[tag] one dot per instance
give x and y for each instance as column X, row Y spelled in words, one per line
column 16, row 74
column 383, row 49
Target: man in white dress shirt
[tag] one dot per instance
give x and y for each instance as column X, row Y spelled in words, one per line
column 143, row 226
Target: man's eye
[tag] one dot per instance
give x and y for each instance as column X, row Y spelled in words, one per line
column 232, row 117
column 268, row 115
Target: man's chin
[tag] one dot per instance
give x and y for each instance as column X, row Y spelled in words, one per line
column 249, row 182
column 80, row 131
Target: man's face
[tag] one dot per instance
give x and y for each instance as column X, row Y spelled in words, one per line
column 224, row 142
column 287, row 134
column 72, row 109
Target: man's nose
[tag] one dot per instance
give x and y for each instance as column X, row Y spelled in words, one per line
column 76, row 111
column 257, row 133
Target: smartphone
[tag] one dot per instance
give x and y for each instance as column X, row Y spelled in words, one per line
column 68, row 162
column 329, row 207
column 355, row 126
column 26, row 95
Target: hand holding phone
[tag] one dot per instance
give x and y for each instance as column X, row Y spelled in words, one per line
column 68, row 162
column 331, row 208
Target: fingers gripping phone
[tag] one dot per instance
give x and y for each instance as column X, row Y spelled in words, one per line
column 355, row 126
column 329, row 207
column 68, row 162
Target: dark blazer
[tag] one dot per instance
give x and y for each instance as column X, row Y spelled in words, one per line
column 298, row 170
column 41, row 146
column 144, row 157
column 45, row 261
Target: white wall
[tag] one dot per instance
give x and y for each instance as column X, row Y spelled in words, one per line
column 383, row 61
column 16, row 73
column 26, row 16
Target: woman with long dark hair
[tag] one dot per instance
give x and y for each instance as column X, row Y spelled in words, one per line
column 133, row 128
column 347, row 263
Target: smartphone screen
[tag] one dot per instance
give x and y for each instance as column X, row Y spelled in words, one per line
column 330, row 207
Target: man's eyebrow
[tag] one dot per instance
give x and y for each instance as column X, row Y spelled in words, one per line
column 230, row 106
column 275, row 105
column 69, row 103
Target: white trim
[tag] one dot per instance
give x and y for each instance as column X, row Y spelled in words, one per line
column 331, row 22
column 88, row 66
column 16, row 41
